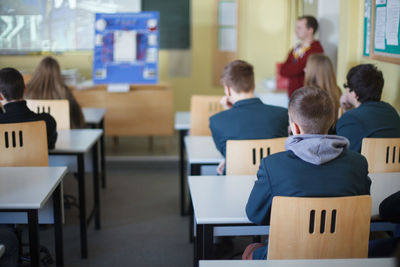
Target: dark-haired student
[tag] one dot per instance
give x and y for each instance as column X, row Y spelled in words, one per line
column 12, row 89
column 314, row 164
column 371, row 117
column 245, row 117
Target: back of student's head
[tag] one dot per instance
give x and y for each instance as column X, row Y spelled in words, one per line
column 239, row 76
column 320, row 72
column 366, row 81
column 312, row 109
column 11, row 84
column 46, row 82
column 311, row 22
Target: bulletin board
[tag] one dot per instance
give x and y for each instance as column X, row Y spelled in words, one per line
column 385, row 30
column 126, row 48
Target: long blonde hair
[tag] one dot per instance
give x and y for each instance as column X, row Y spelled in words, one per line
column 320, row 72
column 47, row 82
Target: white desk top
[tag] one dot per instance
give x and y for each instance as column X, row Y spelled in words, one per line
column 93, row 115
column 28, row 187
column 182, row 120
column 223, row 199
column 76, row 140
column 201, row 149
column 381, row 262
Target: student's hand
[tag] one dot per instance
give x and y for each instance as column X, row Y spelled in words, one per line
column 345, row 102
column 221, row 167
column 225, row 102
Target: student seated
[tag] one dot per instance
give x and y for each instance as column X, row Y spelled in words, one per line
column 319, row 72
column 371, row 117
column 246, row 116
column 314, row 164
column 12, row 97
column 47, row 83
column 389, row 211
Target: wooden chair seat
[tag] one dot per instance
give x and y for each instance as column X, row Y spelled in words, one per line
column 383, row 154
column 202, row 107
column 23, row 144
column 319, row 228
column 58, row 108
column 243, row 157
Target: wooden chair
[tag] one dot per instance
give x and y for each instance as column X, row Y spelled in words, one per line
column 201, row 108
column 243, row 157
column 23, row 144
column 59, row 109
column 319, row 228
column 383, row 154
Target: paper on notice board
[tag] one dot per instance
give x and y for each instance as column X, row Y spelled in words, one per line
column 227, row 39
column 392, row 22
column 380, row 28
column 227, row 15
column 125, row 46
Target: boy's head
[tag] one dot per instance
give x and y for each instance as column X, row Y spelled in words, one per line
column 366, row 81
column 12, row 84
column 311, row 110
column 239, row 76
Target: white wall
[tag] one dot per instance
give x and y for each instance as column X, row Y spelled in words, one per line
column 328, row 18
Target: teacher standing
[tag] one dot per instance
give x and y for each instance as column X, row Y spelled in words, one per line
column 293, row 67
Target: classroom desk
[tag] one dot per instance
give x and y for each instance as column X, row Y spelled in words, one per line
column 219, row 204
column 381, row 262
column 78, row 142
column 182, row 125
column 200, row 151
column 27, row 189
column 94, row 118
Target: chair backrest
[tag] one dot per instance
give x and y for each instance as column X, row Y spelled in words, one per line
column 383, row 154
column 58, row 108
column 243, row 157
column 23, row 144
column 319, row 228
column 201, row 108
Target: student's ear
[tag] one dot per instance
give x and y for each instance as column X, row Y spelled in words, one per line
column 295, row 128
column 227, row 90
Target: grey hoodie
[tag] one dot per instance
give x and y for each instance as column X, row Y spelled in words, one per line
column 317, row 148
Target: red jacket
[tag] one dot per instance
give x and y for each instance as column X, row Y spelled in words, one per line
column 293, row 69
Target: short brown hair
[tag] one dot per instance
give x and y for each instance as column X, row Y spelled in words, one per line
column 311, row 22
column 312, row 108
column 239, row 76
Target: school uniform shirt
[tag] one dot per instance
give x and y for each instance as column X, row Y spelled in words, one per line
column 293, row 67
column 248, row 119
column 375, row 119
column 311, row 166
column 19, row 112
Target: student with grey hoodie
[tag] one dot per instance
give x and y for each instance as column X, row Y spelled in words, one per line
column 314, row 164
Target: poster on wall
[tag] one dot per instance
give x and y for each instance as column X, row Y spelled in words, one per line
column 126, row 48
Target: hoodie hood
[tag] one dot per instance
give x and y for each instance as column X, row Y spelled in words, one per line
column 317, row 149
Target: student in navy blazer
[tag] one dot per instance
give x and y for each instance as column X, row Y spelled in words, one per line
column 371, row 117
column 12, row 89
column 246, row 116
column 314, row 164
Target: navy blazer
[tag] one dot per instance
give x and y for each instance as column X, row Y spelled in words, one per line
column 248, row 119
column 285, row 174
column 19, row 112
column 371, row 119
column 389, row 209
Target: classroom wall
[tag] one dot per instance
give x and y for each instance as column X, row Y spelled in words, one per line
column 351, row 48
column 265, row 40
